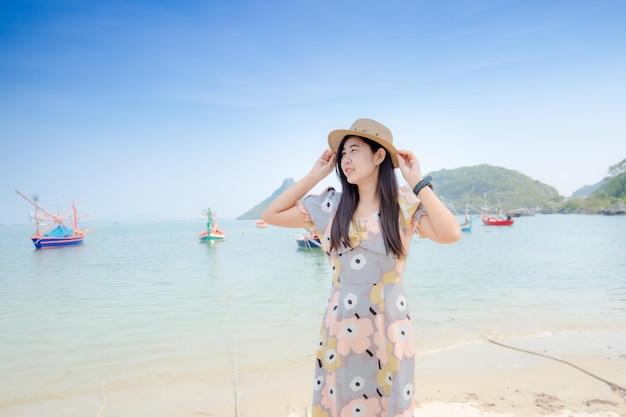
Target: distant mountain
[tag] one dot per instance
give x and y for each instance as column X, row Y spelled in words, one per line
column 487, row 188
column 587, row 190
column 482, row 187
column 491, row 188
column 255, row 212
column 609, row 198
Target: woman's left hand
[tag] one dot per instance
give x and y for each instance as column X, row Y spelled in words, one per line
column 409, row 167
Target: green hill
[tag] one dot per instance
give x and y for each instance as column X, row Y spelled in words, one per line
column 489, row 188
column 609, row 198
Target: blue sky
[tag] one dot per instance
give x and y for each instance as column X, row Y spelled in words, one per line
column 149, row 110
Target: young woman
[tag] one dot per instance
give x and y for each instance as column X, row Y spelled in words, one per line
column 365, row 358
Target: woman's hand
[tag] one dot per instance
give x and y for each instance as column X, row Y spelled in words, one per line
column 409, row 167
column 284, row 211
column 324, row 165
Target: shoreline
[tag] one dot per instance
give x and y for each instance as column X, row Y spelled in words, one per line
column 566, row 375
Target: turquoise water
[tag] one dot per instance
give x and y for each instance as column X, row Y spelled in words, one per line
column 148, row 302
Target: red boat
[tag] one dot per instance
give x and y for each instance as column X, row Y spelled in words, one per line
column 496, row 221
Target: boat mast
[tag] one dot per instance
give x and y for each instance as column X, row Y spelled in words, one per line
column 37, row 208
column 209, row 219
column 75, row 220
column 36, row 219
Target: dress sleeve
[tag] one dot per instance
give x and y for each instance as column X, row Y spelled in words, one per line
column 320, row 209
column 411, row 209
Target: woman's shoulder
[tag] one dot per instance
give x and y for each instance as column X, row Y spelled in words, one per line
column 327, row 200
column 320, row 208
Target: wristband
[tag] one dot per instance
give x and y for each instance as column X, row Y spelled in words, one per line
column 423, row 183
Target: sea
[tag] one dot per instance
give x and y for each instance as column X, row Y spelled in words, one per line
column 145, row 302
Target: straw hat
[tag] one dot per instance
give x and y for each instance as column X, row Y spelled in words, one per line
column 369, row 129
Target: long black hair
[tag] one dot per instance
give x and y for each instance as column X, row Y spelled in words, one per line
column 387, row 189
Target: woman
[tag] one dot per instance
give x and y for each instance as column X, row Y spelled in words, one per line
column 365, row 358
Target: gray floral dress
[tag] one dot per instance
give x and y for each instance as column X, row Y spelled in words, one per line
column 366, row 353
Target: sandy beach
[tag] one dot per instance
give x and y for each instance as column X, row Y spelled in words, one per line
column 555, row 375
column 485, row 379
column 572, row 375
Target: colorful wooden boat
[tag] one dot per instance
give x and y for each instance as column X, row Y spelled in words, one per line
column 496, row 221
column 467, row 225
column 308, row 240
column 55, row 231
column 58, row 237
column 212, row 232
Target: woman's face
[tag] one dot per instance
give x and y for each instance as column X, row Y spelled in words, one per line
column 358, row 162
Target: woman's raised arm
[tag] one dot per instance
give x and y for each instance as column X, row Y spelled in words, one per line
column 283, row 211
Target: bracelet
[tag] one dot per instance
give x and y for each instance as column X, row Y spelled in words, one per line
column 423, row 183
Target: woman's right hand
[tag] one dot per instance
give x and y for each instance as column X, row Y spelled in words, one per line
column 324, row 165
column 284, row 210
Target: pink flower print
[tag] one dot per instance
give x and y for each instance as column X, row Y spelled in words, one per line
column 362, row 407
column 354, row 335
column 329, row 394
column 372, row 226
column 384, row 404
column 406, row 413
column 401, row 335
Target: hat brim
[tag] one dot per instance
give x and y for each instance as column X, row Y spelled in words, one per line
column 336, row 136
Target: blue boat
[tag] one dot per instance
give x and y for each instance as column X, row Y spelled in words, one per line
column 308, row 240
column 56, row 233
column 467, row 226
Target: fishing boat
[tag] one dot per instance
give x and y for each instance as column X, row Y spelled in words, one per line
column 260, row 224
column 496, row 221
column 308, row 240
column 55, row 231
column 467, row 225
column 212, row 233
